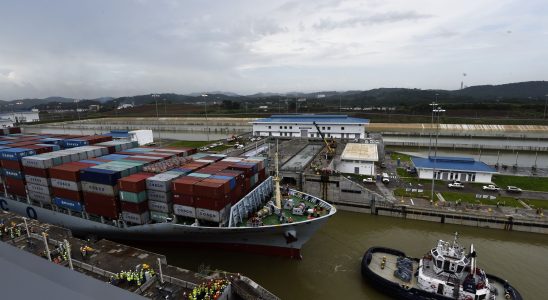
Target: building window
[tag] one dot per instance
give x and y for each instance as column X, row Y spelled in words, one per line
column 323, row 127
column 328, row 128
column 290, row 127
column 280, row 127
column 285, row 127
column 342, row 128
column 269, row 127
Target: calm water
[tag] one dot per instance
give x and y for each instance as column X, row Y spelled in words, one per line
column 330, row 268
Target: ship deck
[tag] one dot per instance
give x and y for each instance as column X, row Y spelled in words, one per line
column 274, row 220
column 389, row 268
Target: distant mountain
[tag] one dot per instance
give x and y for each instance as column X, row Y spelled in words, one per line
column 230, row 94
column 533, row 89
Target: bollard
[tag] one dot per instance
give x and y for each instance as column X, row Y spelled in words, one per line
column 46, row 246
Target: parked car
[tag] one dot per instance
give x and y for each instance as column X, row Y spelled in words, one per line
column 385, row 178
column 513, row 189
column 368, row 180
column 456, row 185
column 491, row 187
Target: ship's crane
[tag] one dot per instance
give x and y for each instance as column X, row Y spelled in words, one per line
column 329, row 145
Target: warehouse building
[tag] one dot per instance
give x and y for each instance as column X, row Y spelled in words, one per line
column 335, row 126
column 463, row 169
column 359, row 159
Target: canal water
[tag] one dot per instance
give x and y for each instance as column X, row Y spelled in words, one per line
column 330, row 268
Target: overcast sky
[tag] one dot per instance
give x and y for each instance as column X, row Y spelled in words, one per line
column 96, row 48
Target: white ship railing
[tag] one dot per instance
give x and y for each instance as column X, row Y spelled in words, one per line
column 250, row 203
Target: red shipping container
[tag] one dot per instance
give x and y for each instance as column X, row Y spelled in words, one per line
column 236, row 194
column 210, row 203
column 36, row 171
column 262, row 175
column 248, row 170
column 102, row 205
column 12, row 164
column 185, row 185
column 134, row 183
column 38, row 149
column 68, row 194
column 13, row 190
column 136, row 208
column 22, row 144
column 214, row 188
column 68, row 171
column 13, row 130
column 186, row 200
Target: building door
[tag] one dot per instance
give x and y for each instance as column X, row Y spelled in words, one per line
column 356, row 135
column 304, row 133
column 356, row 170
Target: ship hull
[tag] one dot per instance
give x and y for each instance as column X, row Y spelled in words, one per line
column 283, row 240
column 396, row 291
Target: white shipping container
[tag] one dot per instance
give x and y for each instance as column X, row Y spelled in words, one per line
column 160, row 182
column 159, row 206
column 185, row 211
column 142, row 137
column 38, row 180
column 159, row 196
column 136, row 218
column 42, row 198
column 65, row 184
column 208, row 215
column 37, row 162
column 38, row 188
column 103, row 189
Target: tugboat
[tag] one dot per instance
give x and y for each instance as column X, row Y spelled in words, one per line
column 445, row 272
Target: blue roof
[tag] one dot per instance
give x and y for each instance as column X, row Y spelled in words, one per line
column 118, row 134
column 309, row 118
column 452, row 163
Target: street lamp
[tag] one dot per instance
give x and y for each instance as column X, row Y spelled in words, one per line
column 545, row 102
column 437, row 110
column 155, row 97
column 165, row 108
column 204, row 96
column 433, row 105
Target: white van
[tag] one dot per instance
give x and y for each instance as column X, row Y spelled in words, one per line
column 385, row 178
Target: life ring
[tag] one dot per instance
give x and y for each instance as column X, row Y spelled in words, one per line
column 507, row 295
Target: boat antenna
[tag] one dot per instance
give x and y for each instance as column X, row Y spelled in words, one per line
column 277, row 181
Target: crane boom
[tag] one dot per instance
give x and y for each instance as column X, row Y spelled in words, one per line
column 329, row 148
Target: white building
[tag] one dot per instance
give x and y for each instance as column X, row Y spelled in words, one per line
column 463, row 169
column 20, row 116
column 336, row 126
column 359, row 159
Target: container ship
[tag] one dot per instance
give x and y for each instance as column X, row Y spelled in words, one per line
column 116, row 189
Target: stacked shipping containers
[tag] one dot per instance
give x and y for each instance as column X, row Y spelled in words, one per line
column 133, row 198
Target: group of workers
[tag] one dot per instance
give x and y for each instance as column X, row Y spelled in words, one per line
column 137, row 277
column 209, row 290
column 9, row 231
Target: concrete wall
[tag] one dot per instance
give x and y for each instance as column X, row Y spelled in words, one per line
column 365, row 167
column 295, row 130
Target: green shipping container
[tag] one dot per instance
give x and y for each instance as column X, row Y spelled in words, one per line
column 133, row 197
column 159, row 216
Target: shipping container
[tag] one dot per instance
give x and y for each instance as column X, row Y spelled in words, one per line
column 67, row 194
column 160, row 182
column 13, row 174
column 159, row 196
column 181, row 199
column 101, row 176
column 11, row 164
column 101, row 205
column 36, row 172
column 185, row 211
column 211, row 203
column 39, row 197
column 97, row 188
column 38, row 180
column 159, row 206
column 219, row 216
column 68, row 204
column 134, row 183
column 134, row 218
column 38, row 188
column 160, row 217
column 133, row 197
column 66, row 184
column 136, row 208
column 212, row 188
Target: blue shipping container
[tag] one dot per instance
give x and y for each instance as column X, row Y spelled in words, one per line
column 101, row 176
column 68, row 204
column 15, row 153
column 114, row 156
column 90, row 161
column 74, row 143
column 232, row 180
column 13, row 173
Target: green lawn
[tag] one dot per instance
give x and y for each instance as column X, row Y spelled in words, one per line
column 471, row 198
column 535, row 203
column 221, row 147
column 403, row 157
column 193, row 144
column 399, row 192
column 523, row 182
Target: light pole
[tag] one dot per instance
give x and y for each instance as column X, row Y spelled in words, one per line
column 165, row 107
column 155, row 97
column 204, row 96
column 545, row 102
column 115, row 108
column 433, row 105
column 438, row 110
